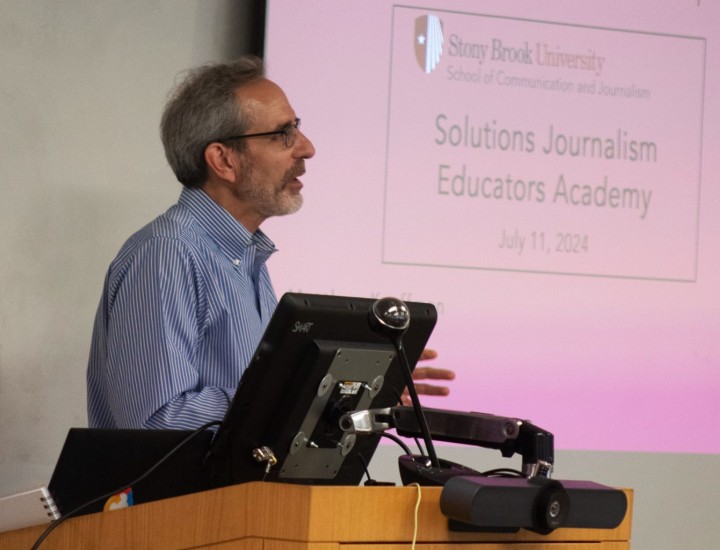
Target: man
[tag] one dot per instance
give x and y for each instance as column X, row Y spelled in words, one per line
column 188, row 297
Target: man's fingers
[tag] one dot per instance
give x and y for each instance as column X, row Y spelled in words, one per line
column 433, row 373
column 430, row 389
column 428, row 354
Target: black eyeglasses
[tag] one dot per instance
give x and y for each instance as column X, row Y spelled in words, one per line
column 288, row 132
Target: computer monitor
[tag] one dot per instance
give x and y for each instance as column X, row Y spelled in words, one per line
column 318, row 360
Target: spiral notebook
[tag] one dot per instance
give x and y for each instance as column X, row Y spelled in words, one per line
column 32, row 507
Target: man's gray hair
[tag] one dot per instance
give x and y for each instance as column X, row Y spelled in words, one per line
column 203, row 108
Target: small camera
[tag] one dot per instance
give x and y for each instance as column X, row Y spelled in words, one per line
column 551, row 506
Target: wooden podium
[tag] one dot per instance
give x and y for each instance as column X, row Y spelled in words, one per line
column 272, row 516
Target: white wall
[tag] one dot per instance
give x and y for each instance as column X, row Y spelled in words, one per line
column 82, row 85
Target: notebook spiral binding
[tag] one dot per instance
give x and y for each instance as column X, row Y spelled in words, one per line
column 52, row 510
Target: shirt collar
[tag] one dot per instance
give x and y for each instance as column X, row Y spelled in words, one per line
column 231, row 236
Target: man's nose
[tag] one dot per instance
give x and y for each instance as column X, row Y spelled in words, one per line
column 303, row 146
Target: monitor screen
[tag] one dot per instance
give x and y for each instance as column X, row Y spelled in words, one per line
column 318, row 360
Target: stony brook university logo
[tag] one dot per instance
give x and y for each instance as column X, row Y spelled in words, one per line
column 428, row 42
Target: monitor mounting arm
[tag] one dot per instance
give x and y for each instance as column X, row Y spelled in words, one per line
column 508, row 435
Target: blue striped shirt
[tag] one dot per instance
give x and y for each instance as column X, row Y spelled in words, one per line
column 184, row 305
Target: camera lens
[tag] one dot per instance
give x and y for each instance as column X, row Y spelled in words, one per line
column 551, row 508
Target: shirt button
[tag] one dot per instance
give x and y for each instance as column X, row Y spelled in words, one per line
column 236, row 262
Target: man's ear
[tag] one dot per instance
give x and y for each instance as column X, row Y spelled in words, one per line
column 222, row 161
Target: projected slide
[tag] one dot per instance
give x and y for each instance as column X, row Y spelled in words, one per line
column 547, row 147
column 546, row 174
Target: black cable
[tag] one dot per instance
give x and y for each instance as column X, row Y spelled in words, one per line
column 365, row 467
column 106, row 496
column 503, row 472
column 421, row 449
column 397, row 440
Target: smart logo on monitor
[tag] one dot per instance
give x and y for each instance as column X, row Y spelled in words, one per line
column 428, row 42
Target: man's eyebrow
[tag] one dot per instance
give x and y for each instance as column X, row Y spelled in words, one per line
column 284, row 125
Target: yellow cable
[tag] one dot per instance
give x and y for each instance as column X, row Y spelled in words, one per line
column 417, row 507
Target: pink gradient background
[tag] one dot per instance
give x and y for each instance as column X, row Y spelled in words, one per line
column 616, row 349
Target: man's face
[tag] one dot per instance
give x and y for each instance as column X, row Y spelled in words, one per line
column 268, row 183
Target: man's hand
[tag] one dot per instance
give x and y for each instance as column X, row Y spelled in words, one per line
column 429, row 373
